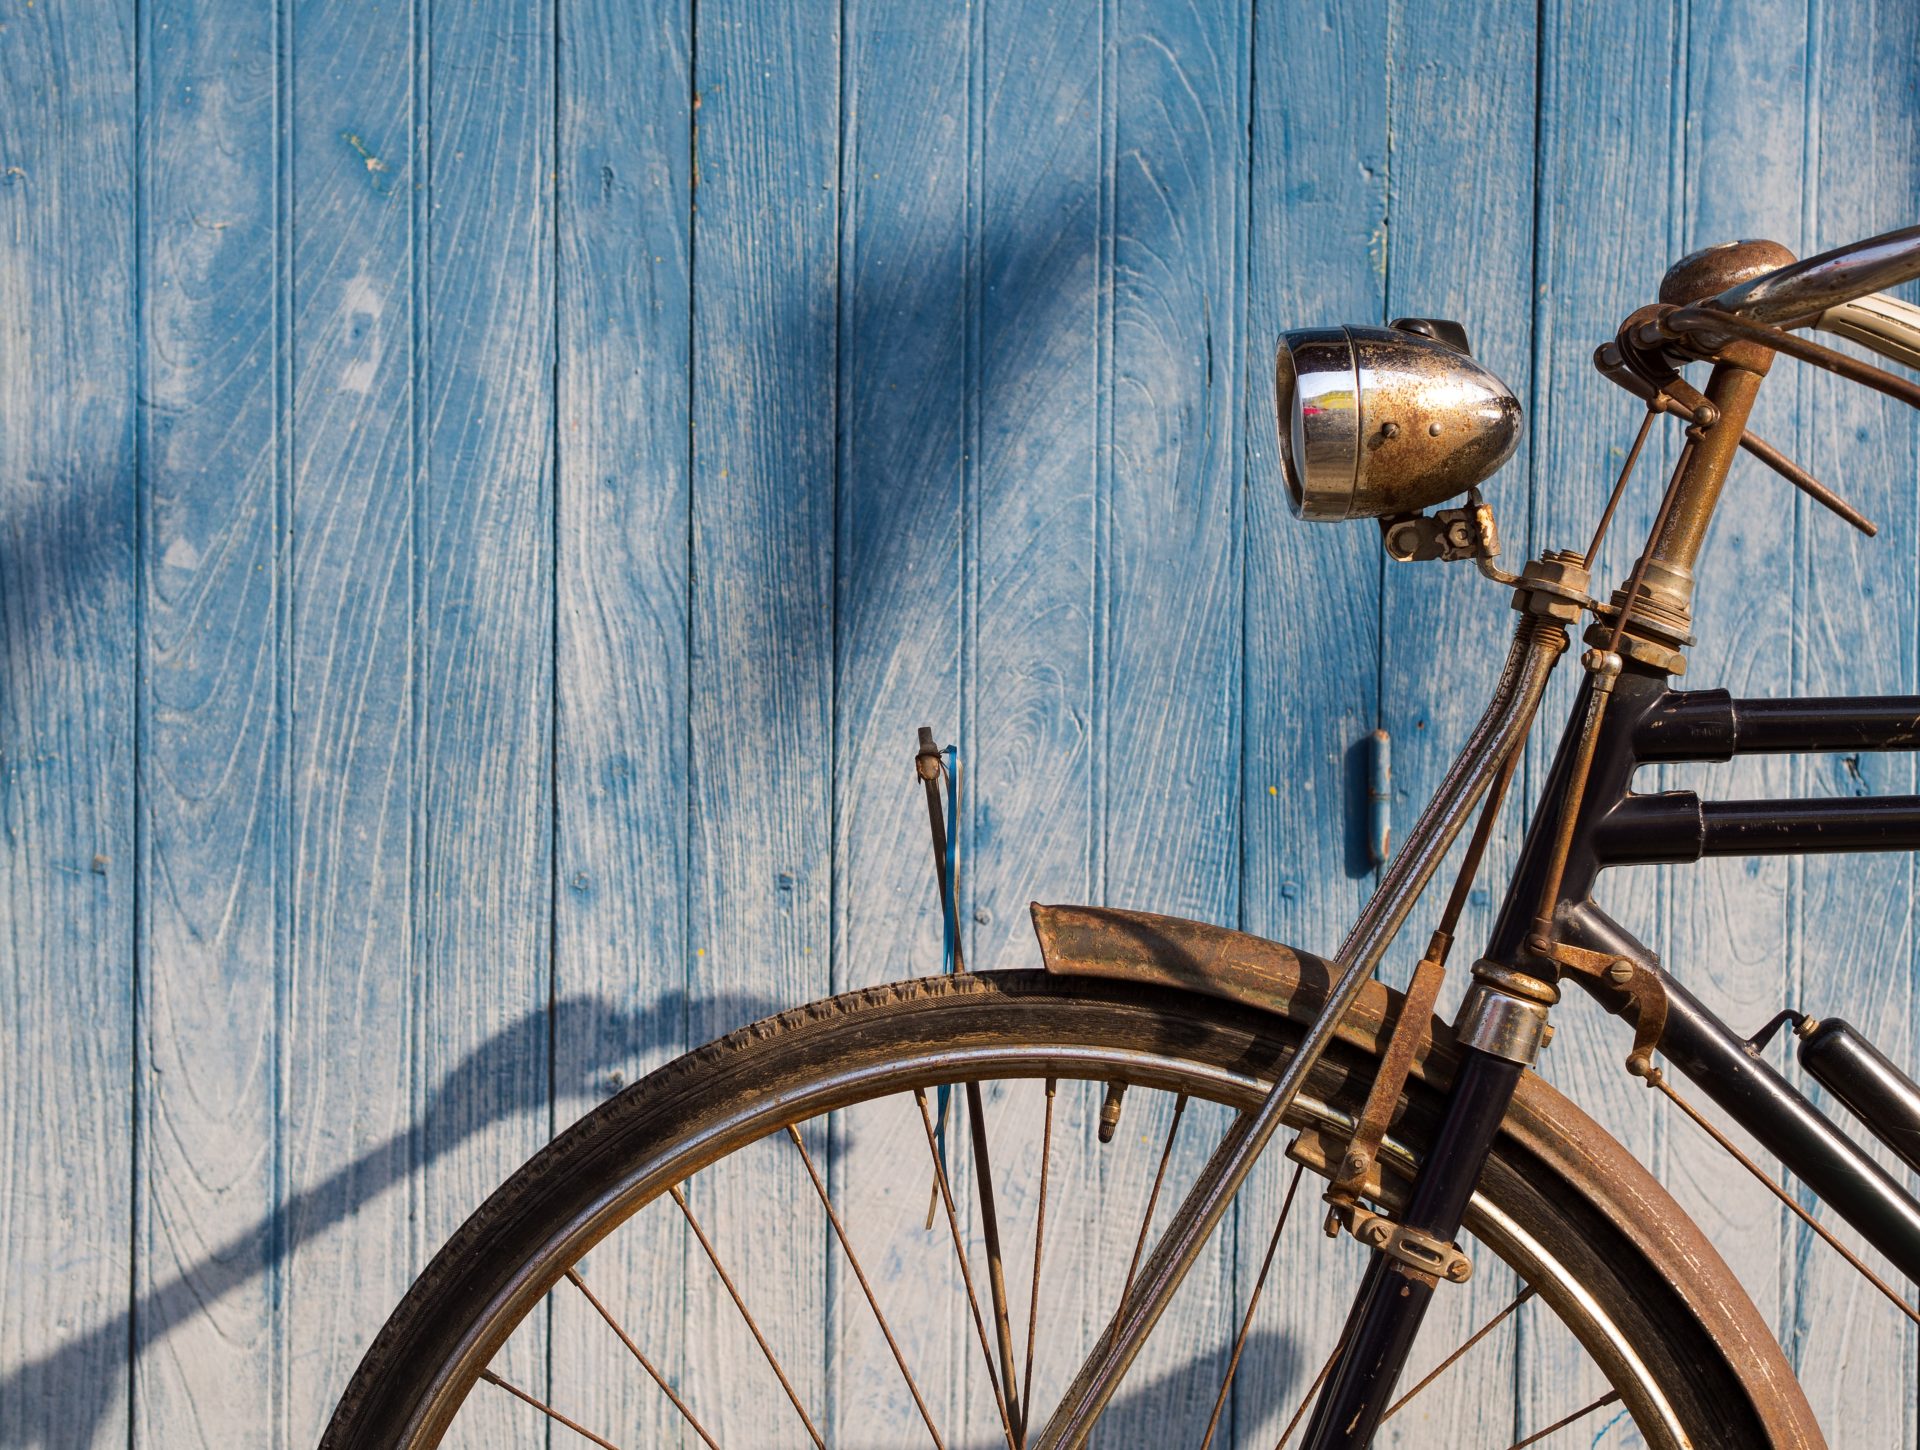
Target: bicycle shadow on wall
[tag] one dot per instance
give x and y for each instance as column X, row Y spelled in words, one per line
column 1271, row 1360
column 895, row 523
column 66, row 1382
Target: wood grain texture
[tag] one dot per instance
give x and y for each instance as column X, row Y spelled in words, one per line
column 350, row 1138
column 908, row 400
column 1856, row 631
column 764, row 369
column 211, row 787
column 1040, row 260
column 1312, row 619
column 1730, row 933
column 1459, row 243
column 1620, row 67
column 578, row 443
column 621, row 972
column 1167, row 683
column 485, row 517
column 68, row 651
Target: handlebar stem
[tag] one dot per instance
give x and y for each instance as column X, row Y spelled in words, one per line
column 1732, row 388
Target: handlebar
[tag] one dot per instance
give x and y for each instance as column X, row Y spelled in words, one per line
column 1881, row 324
column 1803, row 291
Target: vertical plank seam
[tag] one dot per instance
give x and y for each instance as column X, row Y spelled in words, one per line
column 973, row 288
column 1104, row 285
column 1236, row 457
column 1244, row 483
column 1543, row 334
column 972, row 369
column 553, row 592
column 1242, row 466
column 419, row 326
column 279, row 1245
column 554, row 313
column 684, row 943
column 1386, row 297
column 842, row 226
column 136, row 1104
column 1795, row 1265
column 1679, row 110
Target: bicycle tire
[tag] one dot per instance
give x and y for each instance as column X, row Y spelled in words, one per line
column 1706, row 1371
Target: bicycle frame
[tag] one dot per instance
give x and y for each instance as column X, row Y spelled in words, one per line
column 1589, row 819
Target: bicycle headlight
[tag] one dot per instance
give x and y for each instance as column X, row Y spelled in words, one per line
column 1387, row 420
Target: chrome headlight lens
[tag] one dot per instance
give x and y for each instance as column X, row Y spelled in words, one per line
column 1380, row 420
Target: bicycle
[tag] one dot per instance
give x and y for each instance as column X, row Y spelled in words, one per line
column 1426, row 1139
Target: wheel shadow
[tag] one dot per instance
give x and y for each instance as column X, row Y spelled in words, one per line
column 69, row 1395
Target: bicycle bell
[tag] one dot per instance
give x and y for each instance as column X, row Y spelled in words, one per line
column 1387, row 420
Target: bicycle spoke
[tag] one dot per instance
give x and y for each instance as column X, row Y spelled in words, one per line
column 1306, row 1400
column 960, row 1254
column 548, row 1410
column 1538, row 1435
column 1859, row 1265
column 1159, row 1177
column 573, row 1277
column 1466, row 1344
column 1039, row 1239
column 996, row 1268
column 1253, row 1303
column 866, row 1287
column 760, row 1339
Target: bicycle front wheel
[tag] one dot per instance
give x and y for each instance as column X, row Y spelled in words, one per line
column 787, row 1238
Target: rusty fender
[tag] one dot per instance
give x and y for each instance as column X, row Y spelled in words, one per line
column 1139, row 946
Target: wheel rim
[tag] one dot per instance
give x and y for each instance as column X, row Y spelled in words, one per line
column 648, row 1182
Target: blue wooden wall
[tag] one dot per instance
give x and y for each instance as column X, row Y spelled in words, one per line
column 488, row 487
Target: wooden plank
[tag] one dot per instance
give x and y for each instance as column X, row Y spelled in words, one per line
column 1856, row 632
column 760, row 705
column 1168, row 630
column 350, row 1141
column 1746, row 95
column 908, row 377
column 1459, row 244
column 1039, row 269
column 621, row 955
column 483, row 882
column 1319, row 208
column 211, row 785
column 1592, row 270
column 68, row 611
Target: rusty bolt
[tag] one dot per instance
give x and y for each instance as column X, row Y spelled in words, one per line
column 1459, row 1271
column 1354, row 1164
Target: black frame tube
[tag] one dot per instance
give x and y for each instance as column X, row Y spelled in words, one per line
column 1647, row 722
column 1393, row 1299
column 1712, row 725
column 1677, row 826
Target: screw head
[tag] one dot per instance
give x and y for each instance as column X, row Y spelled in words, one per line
column 1620, row 971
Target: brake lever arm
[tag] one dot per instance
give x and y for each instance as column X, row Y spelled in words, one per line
column 1674, row 395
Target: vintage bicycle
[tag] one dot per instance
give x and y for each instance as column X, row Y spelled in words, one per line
column 1434, row 1148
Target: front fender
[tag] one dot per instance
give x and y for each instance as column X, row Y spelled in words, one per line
column 1194, row 956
